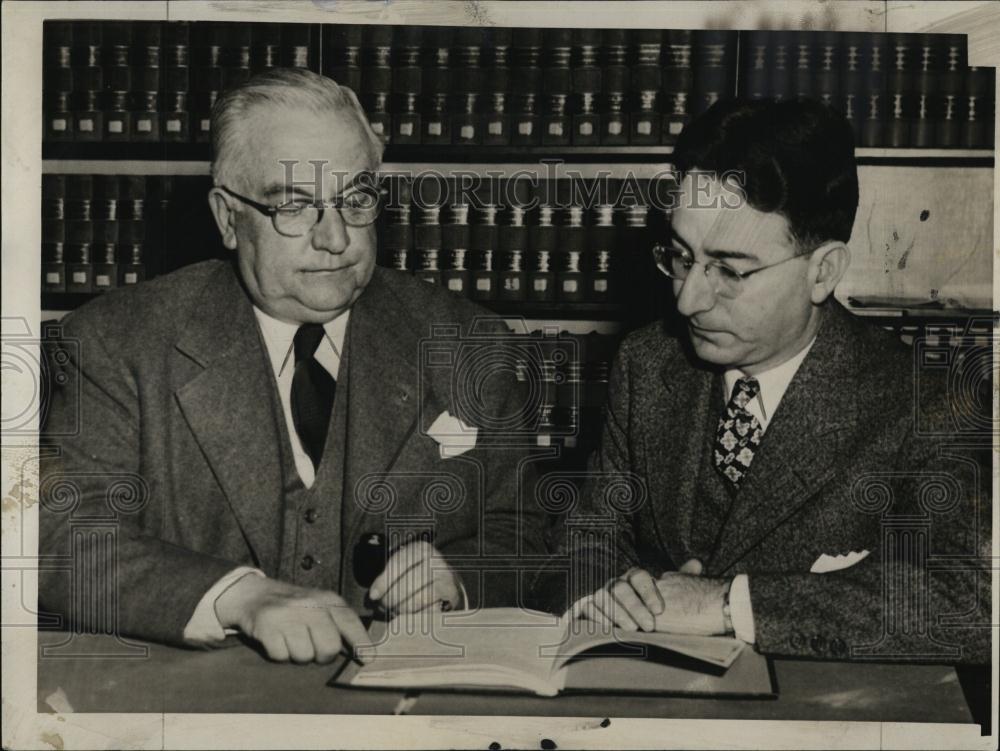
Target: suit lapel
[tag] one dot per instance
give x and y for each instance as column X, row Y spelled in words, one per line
column 673, row 420
column 229, row 409
column 383, row 397
column 802, row 445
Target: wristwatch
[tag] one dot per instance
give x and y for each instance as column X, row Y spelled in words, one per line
column 727, row 614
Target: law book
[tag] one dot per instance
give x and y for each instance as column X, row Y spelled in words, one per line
column 900, row 89
column 57, row 81
column 947, row 133
column 678, row 83
column 615, row 84
column 515, row 650
column 980, row 108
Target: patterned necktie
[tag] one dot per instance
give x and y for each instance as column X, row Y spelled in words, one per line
column 313, row 389
column 738, row 434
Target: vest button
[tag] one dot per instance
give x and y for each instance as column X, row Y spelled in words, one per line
column 311, row 515
column 307, row 562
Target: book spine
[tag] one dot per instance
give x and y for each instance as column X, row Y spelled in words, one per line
column 678, row 84
column 455, row 243
column 132, row 230
column 436, row 83
column 646, row 80
column 616, row 82
column 900, row 90
column 342, row 55
column 104, row 252
column 602, row 266
column 407, row 85
column 927, row 91
column 397, row 235
column 526, row 88
column 53, row 233
column 376, row 78
column 980, row 108
column 877, row 104
column 586, row 85
column 826, row 66
column 754, row 64
column 570, row 278
column 714, row 67
column 512, row 281
column 557, row 85
column 952, row 80
column 79, row 233
column 88, row 83
column 542, row 246
column 57, row 81
column 295, row 46
column 265, row 46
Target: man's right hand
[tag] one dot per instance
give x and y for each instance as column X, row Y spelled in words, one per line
column 291, row 622
column 630, row 602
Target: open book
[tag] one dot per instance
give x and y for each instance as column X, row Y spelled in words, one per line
column 514, row 649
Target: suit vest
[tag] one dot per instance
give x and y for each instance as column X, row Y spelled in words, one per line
column 714, row 497
column 312, row 552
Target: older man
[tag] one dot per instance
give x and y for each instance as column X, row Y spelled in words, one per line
column 274, row 415
column 778, row 486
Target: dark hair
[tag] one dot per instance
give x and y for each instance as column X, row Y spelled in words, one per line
column 796, row 159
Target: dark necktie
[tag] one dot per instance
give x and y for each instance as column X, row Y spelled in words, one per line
column 313, row 389
column 738, row 434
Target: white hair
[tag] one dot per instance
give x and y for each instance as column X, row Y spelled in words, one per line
column 284, row 87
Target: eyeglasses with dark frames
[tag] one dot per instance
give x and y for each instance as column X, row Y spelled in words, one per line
column 358, row 207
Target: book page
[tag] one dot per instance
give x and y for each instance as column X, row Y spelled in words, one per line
column 495, row 646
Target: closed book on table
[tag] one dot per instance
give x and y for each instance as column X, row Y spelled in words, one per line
column 515, row 650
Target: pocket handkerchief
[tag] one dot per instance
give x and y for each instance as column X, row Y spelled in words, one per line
column 454, row 437
column 827, row 563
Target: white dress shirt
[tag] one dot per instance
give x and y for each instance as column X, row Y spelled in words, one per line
column 773, row 385
column 204, row 629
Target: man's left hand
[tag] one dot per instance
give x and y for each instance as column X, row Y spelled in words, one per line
column 415, row 578
column 692, row 604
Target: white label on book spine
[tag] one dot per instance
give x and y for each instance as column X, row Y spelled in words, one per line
column 455, row 285
column 483, row 285
column 115, row 126
column 434, row 129
column 524, row 129
column 131, row 277
column 644, row 127
column 586, row 129
column 676, row 128
column 495, row 129
column 468, row 132
column 52, row 277
column 145, row 126
column 173, row 126
column 614, row 129
column 600, row 285
column 377, row 127
column 79, row 277
column 541, row 285
column 406, row 129
column 87, row 126
column 569, row 285
column 102, row 280
column 555, row 129
column 59, row 124
column 206, row 125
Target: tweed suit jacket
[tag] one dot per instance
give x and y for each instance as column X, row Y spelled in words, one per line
column 172, row 395
column 843, row 467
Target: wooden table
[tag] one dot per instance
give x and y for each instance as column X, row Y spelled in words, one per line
column 98, row 674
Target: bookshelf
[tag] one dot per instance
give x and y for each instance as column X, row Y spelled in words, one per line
column 128, row 102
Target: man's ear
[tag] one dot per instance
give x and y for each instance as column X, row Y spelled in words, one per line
column 225, row 217
column 827, row 267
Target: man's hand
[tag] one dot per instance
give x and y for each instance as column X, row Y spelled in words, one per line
column 416, row 577
column 290, row 622
column 630, row 602
column 693, row 604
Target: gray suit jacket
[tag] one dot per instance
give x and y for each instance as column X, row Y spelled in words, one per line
column 842, row 467
column 165, row 428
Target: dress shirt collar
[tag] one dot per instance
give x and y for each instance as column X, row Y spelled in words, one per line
column 279, row 337
column 773, row 385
